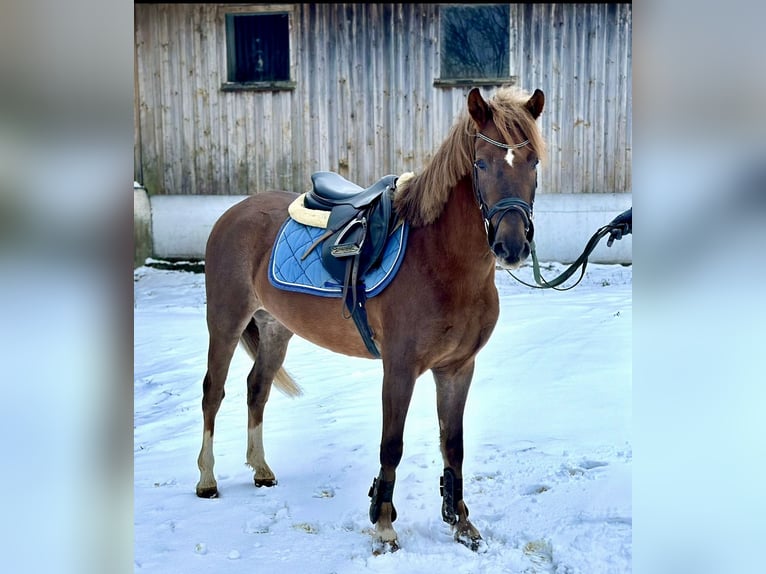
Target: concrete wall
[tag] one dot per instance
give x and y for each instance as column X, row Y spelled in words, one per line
column 181, row 223
column 564, row 223
column 142, row 226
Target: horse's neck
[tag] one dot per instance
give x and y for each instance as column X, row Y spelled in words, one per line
column 458, row 234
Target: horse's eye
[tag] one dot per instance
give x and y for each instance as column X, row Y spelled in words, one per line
column 480, row 164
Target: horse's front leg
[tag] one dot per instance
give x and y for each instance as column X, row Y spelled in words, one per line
column 451, row 392
column 398, row 384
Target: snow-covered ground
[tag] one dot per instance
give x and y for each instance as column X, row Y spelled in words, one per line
column 548, row 450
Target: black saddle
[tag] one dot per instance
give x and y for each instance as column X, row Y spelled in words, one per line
column 331, row 189
column 359, row 225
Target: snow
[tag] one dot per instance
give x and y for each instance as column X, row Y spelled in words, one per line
column 548, row 450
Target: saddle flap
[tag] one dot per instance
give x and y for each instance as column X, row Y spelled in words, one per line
column 363, row 234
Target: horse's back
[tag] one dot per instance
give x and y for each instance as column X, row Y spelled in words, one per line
column 248, row 226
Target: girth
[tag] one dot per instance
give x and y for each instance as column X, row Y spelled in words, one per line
column 359, row 225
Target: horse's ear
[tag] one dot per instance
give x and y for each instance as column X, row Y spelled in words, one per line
column 478, row 108
column 535, row 104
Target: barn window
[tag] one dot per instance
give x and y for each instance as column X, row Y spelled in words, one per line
column 258, row 51
column 475, row 45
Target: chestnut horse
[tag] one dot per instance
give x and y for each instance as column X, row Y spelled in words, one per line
column 469, row 210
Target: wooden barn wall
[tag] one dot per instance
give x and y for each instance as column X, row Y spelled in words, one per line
column 364, row 104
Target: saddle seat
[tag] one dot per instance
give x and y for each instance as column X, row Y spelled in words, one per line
column 331, row 189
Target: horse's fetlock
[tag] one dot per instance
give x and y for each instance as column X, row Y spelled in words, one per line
column 381, row 491
column 451, row 489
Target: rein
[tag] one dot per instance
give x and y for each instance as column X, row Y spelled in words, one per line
column 581, row 261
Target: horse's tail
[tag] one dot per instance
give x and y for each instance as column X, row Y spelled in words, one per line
column 251, row 339
column 285, row 383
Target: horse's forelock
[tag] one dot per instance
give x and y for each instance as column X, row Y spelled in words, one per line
column 509, row 109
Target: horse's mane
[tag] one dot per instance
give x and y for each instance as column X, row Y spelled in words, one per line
column 421, row 199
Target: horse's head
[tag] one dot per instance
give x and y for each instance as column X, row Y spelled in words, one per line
column 505, row 172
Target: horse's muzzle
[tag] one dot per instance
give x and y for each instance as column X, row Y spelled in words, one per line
column 511, row 245
column 510, row 255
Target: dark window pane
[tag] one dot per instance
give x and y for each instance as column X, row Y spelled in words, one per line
column 475, row 41
column 260, row 51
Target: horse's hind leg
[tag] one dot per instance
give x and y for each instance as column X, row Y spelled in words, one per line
column 221, row 349
column 451, row 392
column 266, row 341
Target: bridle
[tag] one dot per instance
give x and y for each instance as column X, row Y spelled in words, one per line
column 504, row 206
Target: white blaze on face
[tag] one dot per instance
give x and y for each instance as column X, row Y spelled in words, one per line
column 509, row 157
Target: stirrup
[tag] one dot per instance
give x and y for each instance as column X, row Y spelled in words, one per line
column 351, row 248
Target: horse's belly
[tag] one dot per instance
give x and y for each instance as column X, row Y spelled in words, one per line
column 319, row 320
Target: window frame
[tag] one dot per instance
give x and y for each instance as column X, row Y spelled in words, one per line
column 258, row 10
column 444, row 81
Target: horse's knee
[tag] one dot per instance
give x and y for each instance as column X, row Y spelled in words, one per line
column 212, row 395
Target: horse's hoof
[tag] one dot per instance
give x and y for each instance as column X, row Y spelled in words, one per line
column 259, row 482
column 384, row 547
column 208, row 492
column 475, row 543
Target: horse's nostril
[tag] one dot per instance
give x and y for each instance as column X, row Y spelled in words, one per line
column 500, row 250
column 511, row 255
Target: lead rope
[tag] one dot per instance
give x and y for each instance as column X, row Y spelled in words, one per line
column 617, row 226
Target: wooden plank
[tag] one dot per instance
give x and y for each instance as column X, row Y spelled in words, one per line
column 364, row 99
column 211, row 38
column 137, row 161
column 186, row 106
column 151, row 132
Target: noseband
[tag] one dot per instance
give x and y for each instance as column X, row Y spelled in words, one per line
column 504, row 206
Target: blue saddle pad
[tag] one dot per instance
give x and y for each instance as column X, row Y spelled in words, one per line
column 288, row 272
